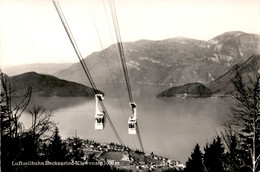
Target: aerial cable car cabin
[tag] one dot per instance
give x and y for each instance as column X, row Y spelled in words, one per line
column 99, row 114
column 132, row 121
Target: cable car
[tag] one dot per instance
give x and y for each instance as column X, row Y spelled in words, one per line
column 132, row 121
column 100, row 114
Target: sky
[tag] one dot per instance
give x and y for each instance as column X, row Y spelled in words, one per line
column 31, row 31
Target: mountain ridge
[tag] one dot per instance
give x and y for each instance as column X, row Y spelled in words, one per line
column 173, row 61
column 222, row 86
column 48, row 86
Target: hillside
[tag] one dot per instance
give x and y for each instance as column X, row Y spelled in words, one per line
column 47, row 86
column 174, row 61
column 224, row 86
column 193, row 90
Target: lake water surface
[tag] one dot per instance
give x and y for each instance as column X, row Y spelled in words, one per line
column 169, row 127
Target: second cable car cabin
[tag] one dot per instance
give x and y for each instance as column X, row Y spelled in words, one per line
column 99, row 114
column 132, row 121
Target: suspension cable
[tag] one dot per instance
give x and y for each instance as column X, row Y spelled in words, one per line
column 83, row 64
column 106, row 59
column 123, row 61
column 120, row 48
column 111, row 37
column 117, row 55
column 139, row 137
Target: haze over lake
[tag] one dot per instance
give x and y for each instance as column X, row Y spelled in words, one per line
column 169, row 127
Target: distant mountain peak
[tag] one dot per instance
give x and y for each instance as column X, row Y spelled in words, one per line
column 31, row 73
column 233, row 34
column 44, row 68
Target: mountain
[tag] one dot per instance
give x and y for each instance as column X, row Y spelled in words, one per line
column 193, row 90
column 174, row 61
column 47, row 86
column 224, row 85
column 44, row 68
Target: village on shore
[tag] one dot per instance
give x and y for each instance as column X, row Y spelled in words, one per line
column 122, row 157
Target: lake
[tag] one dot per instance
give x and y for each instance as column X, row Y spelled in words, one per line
column 170, row 127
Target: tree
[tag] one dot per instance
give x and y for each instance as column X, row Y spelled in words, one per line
column 75, row 146
column 10, row 114
column 33, row 140
column 57, row 148
column 18, row 144
column 233, row 160
column 245, row 117
column 194, row 163
column 214, row 156
column 11, row 128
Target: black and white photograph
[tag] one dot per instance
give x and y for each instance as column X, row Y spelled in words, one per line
column 130, row 85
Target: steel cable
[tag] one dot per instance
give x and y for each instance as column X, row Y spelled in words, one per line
column 83, row 64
